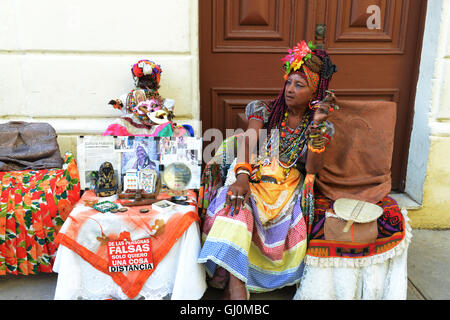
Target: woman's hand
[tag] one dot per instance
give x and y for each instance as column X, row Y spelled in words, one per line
column 325, row 107
column 238, row 193
column 314, row 160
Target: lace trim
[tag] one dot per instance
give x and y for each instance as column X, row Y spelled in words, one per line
column 99, row 286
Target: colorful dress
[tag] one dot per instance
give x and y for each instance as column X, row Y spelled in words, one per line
column 264, row 245
column 34, row 205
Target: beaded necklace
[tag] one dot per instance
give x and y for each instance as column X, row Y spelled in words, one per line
column 293, row 143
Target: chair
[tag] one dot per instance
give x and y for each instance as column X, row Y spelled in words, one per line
column 357, row 165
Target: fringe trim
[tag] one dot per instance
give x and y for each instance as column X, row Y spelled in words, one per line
column 398, row 250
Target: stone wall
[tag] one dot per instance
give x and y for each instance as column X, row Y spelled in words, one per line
column 62, row 61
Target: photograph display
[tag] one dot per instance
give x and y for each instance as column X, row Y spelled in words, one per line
column 138, row 153
column 185, row 150
column 92, row 151
column 135, row 158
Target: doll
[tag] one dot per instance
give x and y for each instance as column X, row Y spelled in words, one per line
column 144, row 111
column 144, row 104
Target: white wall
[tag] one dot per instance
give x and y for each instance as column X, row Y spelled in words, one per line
column 61, row 61
column 432, row 122
column 425, row 95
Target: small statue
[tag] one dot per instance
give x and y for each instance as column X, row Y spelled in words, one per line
column 144, row 111
column 105, row 181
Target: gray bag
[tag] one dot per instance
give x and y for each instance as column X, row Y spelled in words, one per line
column 28, row 146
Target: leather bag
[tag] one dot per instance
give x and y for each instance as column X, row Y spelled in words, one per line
column 357, row 162
column 28, row 146
column 359, row 232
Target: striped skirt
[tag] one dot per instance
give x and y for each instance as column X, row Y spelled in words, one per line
column 265, row 257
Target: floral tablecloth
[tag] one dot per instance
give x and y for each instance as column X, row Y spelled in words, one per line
column 34, row 205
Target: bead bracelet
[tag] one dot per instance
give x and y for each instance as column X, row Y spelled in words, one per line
column 244, row 165
column 310, row 147
column 244, row 171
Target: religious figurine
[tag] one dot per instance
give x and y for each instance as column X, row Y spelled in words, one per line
column 105, row 181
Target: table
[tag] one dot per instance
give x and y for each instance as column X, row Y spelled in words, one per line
column 81, row 260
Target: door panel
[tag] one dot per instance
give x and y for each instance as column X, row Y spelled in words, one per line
column 349, row 32
column 240, row 44
column 378, row 64
column 261, row 26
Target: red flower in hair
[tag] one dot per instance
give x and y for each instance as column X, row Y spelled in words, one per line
column 301, row 50
column 137, row 71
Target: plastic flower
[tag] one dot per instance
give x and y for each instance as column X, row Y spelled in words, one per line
column 296, row 65
column 300, row 51
column 137, row 71
column 288, row 59
column 297, row 56
column 147, row 68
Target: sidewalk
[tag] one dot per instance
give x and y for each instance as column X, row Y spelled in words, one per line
column 428, row 261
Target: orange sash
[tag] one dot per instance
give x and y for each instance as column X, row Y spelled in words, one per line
column 271, row 198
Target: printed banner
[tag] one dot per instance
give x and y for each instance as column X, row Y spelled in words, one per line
column 130, row 255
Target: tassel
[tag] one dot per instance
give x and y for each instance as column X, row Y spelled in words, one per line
column 307, row 201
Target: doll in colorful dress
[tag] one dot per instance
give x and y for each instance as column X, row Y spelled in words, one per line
column 144, row 111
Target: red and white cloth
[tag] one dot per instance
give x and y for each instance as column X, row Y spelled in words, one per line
column 82, row 260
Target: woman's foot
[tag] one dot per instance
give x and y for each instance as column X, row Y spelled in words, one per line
column 236, row 290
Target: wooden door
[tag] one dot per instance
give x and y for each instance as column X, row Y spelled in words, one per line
column 242, row 42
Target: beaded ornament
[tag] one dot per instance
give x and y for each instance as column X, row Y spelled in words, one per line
column 145, row 68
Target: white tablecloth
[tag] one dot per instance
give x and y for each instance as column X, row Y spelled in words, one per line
column 177, row 276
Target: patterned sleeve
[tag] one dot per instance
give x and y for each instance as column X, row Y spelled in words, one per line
column 258, row 110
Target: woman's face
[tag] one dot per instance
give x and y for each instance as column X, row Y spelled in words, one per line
column 297, row 92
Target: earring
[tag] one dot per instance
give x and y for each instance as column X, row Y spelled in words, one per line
column 313, row 104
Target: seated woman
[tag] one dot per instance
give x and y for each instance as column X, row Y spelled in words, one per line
column 254, row 226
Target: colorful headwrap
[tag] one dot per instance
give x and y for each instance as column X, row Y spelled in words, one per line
column 302, row 59
column 312, row 78
column 146, row 67
column 314, row 64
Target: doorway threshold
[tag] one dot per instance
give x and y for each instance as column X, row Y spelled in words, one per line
column 405, row 201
